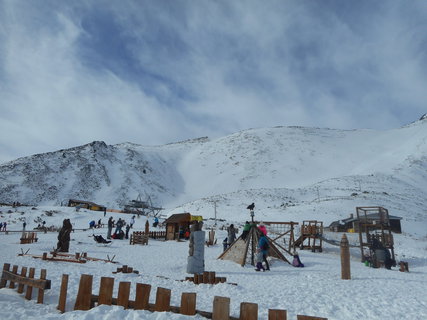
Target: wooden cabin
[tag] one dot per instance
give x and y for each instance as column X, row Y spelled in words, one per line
column 178, row 223
column 86, row 204
column 351, row 223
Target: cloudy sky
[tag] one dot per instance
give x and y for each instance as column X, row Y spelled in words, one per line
column 155, row 72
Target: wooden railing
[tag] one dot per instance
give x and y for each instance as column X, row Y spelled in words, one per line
column 23, row 280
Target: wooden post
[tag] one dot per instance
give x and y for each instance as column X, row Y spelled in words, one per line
column 147, row 227
column 142, row 296
column 21, row 285
column 212, row 277
column 29, row 292
column 345, row 258
column 123, row 294
column 221, row 308
column 188, row 303
column 3, row 282
column 163, row 298
column 14, row 271
column 276, row 314
column 106, row 291
column 205, row 277
column 44, row 257
column 40, row 295
column 84, row 295
column 248, row 311
column 63, row 293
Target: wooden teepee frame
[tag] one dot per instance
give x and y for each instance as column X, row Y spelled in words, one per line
column 243, row 251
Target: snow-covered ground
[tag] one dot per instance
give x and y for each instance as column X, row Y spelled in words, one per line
column 315, row 290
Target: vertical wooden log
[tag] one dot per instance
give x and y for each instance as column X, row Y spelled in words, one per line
column 345, row 258
column 205, row 277
column 276, row 314
column 163, row 298
column 123, row 294
column 196, row 279
column 188, row 303
column 212, row 275
column 302, row 317
column 147, row 228
column 44, row 257
column 14, row 271
column 3, row 282
column 29, row 292
column 221, row 308
column 84, row 295
column 142, row 296
column 40, row 295
column 106, row 291
column 248, row 311
column 63, row 293
column 21, row 285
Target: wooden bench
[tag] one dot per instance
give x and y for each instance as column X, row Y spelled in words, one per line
column 29, row 237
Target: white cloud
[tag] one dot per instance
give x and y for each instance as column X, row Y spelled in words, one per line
column 157, row 72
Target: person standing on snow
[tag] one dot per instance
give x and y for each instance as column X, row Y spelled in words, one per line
column 110, row 227
column 263, row 246
column 231, row 234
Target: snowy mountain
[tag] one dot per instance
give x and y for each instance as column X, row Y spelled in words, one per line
column 281, row 169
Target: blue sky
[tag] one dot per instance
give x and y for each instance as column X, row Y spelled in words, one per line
column 155, row 72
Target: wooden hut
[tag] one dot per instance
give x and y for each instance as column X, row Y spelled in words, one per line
column 86, row 204
column 178, row 223
column 351, row 224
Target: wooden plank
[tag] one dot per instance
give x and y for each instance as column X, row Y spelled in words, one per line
column 123, row 294
column 142, row 296
column 248, row 311
column 40, row 295
column 14, row 271
column 221, row 308
column 29, row 292
column 276, row 314
column 163, row 298
column 188, row 303
column 3, row 281
column 36, row 283
column 84, row 295
column 302, row 317
column 63, row 293
column 106, row 291
column 21, row 285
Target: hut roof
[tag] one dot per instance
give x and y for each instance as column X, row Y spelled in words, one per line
column 179, row 218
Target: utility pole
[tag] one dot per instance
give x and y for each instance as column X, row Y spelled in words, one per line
column 215, row 202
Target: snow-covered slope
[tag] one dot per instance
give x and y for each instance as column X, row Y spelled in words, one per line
column 269, row 166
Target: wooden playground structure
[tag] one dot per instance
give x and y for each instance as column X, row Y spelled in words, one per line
column 311, row 236
column 371, row 231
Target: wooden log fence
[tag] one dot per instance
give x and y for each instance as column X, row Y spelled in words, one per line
column 14, row 277
column 85, row 300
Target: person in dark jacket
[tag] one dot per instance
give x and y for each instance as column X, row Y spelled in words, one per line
column 231, row 234
column 110, row 227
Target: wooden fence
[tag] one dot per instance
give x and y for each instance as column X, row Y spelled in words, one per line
column 220, row 310
column 140, row 237
column 22, row 280
column 28, row 237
